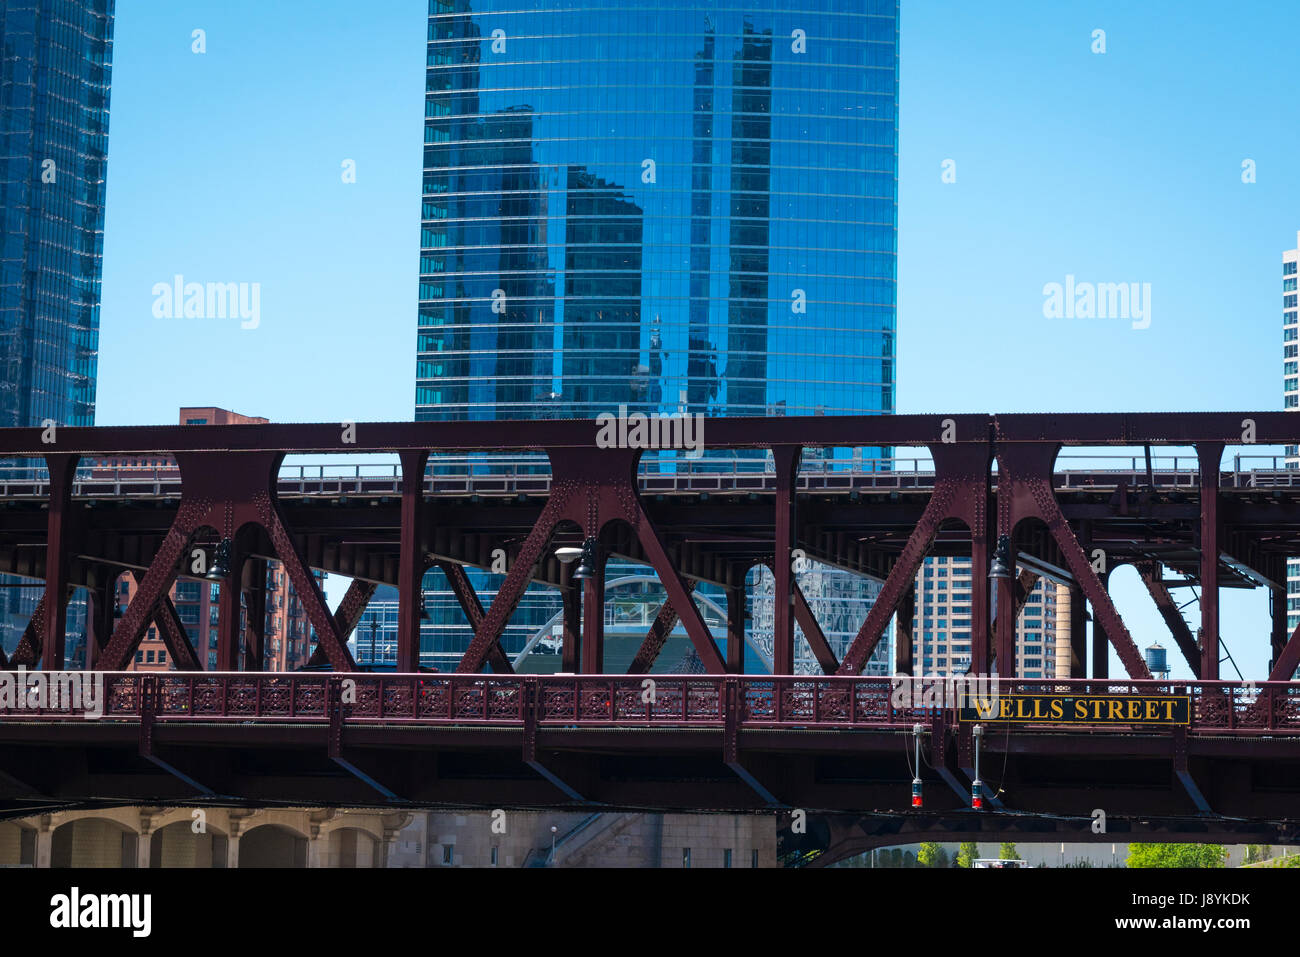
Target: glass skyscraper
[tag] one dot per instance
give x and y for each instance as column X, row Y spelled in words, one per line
column 55, row 64
column 662, row 204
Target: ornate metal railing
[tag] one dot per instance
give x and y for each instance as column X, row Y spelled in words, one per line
column 661, row 701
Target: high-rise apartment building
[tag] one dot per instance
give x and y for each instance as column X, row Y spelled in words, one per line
column 941, row 625
column 56, row 60
column 659, row 204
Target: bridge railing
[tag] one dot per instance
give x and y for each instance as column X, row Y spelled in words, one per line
column 670, row 701
column 516, row 474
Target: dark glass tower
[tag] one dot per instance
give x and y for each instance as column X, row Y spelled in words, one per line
column 659, row 203
column 55, row 64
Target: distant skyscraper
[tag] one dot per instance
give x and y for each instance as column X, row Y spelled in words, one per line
column 54, row 79
column 656, row 204
column 55, row 64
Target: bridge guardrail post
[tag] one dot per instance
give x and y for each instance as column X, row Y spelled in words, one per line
column 147, row 707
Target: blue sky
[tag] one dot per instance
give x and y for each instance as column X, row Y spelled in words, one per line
column 1115, row 167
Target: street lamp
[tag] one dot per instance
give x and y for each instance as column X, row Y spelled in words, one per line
column 586, row 568
column 553, row 830
column 220, row 569
column 1000, row 567
column 374, row 627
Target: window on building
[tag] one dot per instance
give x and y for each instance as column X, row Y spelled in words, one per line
column 447, row 852
column 494, row 857
column 726, row 857
column 753, row 860
column 1288, row 269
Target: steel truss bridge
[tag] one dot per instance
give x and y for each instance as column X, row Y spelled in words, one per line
column 487, row 737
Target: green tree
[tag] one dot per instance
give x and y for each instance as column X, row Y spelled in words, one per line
column 929, row 854
column 1009, row 853
column 1176, row 855
column 967, row 853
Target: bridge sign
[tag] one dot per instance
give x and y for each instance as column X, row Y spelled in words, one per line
column 1081, row 709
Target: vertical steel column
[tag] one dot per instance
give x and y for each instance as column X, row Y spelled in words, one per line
column 411, row 562
column 903, row 663
column 981, row 658
column 254, row 588
column 58, row 555
column 1280, row 631
column 1006, row 623
column 786, row 460
column 593, row 616
column 1100, row 640
column 571, row 655
column 736, row 630
column 230, row 632
column 1209, row 455
column 1078, row 633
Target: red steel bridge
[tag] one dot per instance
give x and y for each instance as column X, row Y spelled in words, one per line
column 983, row 487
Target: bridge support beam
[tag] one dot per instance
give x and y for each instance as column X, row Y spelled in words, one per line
column 467, row 598
column 812, row 631
column 786, row 462
column 960, row 492
column 1078, row 634
column 1288, row 659
column 653, row 643
column 731, row 743
column 174, row 636
column 1100, row 640
column 228, row 491
column 230, row 632
column 1153, row 578
column 1278, row 610
column 58, row 558
column 736, row 630
column 591, row 487
column 903, row 652
column 1182, row 770
column 348, row 615
column 571, row 597
column 593, row 614
column 1209, row 455
column 411, row 561
column 335, row 746
column 1025, row 491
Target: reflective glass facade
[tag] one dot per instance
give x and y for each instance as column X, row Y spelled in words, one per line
column 640, row 202
column 55, row 64
column 662, row 204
